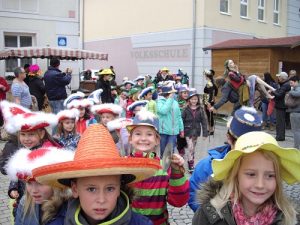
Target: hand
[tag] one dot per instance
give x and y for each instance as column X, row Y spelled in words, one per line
column 211, row 109
column 177, row 161
column 14, row 194
column 2, row 87
column 181, row 134
column 68, row 70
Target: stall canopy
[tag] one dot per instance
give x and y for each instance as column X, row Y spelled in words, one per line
column 51, row 52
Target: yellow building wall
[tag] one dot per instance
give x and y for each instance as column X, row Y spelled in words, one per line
column 233, row 22
column 105, row 19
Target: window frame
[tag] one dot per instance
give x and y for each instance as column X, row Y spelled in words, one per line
column 19, row 61
column 20, row 10
column 244, row 3
column 262, row 8
column 228, row 8
column 276, row 10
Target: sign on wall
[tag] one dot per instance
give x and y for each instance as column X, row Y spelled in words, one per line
column 62, row 41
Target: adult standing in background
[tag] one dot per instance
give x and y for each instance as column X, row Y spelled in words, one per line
column 104, row 82
column 55, row 84
column 280, row 106
column 36, row 85
column 20, row 90
column 295, row 111
column 4, row 87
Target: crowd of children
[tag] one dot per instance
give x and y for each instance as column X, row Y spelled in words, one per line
column 120, row 159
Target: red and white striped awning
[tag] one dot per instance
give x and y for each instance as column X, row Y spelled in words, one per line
column 49, row 52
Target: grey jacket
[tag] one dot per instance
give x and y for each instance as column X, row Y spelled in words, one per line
column 296, row 94
column 208, row 215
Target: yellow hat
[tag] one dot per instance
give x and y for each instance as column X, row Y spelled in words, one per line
column 164, row 69
column 106, row 72
column 289, row 158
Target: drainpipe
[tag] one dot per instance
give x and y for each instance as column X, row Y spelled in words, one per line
column 81, row 31
column 193, row 42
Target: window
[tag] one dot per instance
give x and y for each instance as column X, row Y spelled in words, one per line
column 276, row 12
column 20, row 5
column 15, row 41
column 244, row 8
column 224, row 6
column 261, row 10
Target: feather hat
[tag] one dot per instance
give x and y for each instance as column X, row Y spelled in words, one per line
column 144, row 118
column 77, row 100
column 107, row 108
column 68, row 114
column 132, row 106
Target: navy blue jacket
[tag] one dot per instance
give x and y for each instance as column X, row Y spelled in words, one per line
column 55, row 82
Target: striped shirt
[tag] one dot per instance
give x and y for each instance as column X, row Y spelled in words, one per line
column 152, row 195
column 21, row 91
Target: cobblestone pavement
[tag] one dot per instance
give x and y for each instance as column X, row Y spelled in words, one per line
column 178, row 216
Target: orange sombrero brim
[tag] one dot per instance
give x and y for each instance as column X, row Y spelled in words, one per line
column 141, row 168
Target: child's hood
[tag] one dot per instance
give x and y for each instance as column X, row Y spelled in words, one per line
column 208, row 190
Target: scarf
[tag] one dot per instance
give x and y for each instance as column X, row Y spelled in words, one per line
column 264, row 217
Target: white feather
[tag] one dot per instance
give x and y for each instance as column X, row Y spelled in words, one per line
column 116, row 109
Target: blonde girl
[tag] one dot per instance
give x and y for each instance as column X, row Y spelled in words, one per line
column 251, row 191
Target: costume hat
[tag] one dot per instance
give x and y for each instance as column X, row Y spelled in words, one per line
column 34, row 70
column 144, row 118
column 145, row 91
column 192, row 92
column 133, row 91
column 164, row 69
column 21, row 164
column 10, row 109
column 128, row 82
column 245, row 119
column 182, row 88
column 17, row 118
column 107, row 108
column 139, row 78
column 289, row 158
column 77, row 100
column 118, row 124
column 132, row 106
column 106, row 72
column 68, row 114
column 97, row 155
column 95, row 96
column 168, row 88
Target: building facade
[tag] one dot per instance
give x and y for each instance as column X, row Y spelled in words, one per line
column 51, row 23
column 143, row 36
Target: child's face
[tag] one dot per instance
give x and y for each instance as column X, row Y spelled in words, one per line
column 143, row 138
column 123, row 95
column 194, row 100
column 98, row 195
column 128, row 86
column 81, row 112
column 68, row 124
column 39, row 192
column 106, row 117
column 184, row 94
column 257, row 180
column 30, row 139
column 148, row 96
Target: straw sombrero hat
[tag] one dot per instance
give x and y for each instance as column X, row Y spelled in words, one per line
column 289, row 158
column 97, row 155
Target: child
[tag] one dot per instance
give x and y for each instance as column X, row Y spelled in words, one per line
column 78, row 101
column 251, row 191
column 121, row 100
column 107, row 113
column 183, row 94
column 193, row 118
column 132, row 97
column 31, row 133
column 66, row 130
column 41, row 204
column 146, row 94
column 152, row 195
column 136, row 106
column 170, row 121
column 98, row 177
